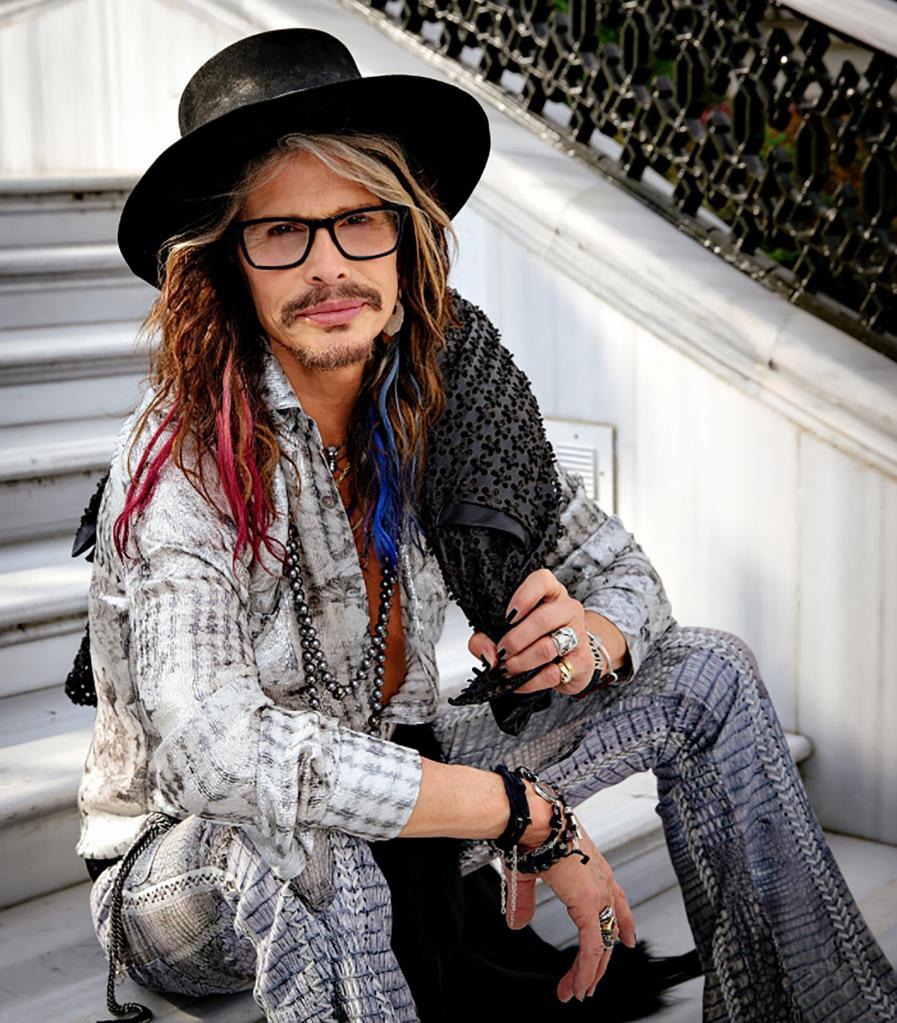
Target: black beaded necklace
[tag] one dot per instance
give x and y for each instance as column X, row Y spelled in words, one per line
column 316, row 670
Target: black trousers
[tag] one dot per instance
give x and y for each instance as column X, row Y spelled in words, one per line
column 454, row 946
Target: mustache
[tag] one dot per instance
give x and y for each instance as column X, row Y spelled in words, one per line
column 297, row 306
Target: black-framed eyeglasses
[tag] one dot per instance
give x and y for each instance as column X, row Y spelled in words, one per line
column 277, row 243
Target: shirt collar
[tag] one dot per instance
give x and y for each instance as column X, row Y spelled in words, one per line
column 278, row 391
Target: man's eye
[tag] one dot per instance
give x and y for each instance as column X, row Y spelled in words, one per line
column 357, row 218
column 278, row 229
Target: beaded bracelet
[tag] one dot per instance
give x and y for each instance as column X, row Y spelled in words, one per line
column 563, row 839
column 565, row 843
column 600, row 679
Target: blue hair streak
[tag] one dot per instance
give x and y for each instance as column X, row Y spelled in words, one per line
column 393, row 512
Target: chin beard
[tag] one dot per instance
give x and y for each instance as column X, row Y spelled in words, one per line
column 335, row 356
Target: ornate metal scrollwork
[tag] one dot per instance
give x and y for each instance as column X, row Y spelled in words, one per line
column 774, row 122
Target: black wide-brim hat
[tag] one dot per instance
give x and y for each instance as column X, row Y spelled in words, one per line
column 259, row 88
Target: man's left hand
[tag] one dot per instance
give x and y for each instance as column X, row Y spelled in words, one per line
column 543, row 605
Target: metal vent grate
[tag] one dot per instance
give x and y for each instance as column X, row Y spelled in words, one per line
column 587, row 449
column 583, row 461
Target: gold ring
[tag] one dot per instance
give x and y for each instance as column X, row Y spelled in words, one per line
column 566, row 669
column 607, row 921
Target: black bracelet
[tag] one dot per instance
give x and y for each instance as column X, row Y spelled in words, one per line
column 597, row 681
column 519, row 819
column 563, row 839
column 564, row 842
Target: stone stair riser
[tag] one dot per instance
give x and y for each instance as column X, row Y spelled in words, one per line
column 43, row 851
column 67, row 300
column 112, row 394
column 27, row 221
column 50, row 504
column 36, row 656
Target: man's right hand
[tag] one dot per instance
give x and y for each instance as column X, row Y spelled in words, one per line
column 585, row 889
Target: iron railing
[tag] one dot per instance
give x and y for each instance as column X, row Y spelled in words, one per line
column 757, row 130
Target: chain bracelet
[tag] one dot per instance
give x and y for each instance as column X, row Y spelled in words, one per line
column 563, row 840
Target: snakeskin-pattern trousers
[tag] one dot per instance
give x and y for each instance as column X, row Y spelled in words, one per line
column 777, row 930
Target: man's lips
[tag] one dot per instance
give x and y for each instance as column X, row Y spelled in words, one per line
column 332, row 313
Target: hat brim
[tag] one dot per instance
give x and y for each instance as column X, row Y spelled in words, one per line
column 444, row 130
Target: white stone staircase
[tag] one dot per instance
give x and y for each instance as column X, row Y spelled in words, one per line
column 59, row 264
column 69, row 373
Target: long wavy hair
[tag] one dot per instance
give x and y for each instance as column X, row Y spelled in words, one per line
column 207, row 366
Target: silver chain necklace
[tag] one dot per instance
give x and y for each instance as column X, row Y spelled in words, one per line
column 374, row 655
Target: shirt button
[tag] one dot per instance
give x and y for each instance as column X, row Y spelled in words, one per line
column 329, row 501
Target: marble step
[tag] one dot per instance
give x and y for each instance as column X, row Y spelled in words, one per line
column 43, row 611
column 80, row 371
column 59, row 263
column 61, row 209
column 54, row 285
column 60, row 260
column 48, row 472
column 52, row 969
column 43, row 744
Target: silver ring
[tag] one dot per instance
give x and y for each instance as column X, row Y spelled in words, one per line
column 607, row 918
column 565, row 639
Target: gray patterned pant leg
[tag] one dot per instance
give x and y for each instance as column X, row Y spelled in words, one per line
column 203, row 914
column 777, row 929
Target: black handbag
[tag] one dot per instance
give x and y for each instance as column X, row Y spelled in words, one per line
column 80, row 687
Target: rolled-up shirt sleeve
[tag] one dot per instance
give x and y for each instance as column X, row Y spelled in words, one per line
column 606, row 570
column 225, row 750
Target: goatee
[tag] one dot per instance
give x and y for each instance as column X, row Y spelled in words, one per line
column 334, row 357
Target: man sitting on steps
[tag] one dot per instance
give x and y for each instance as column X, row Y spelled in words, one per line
column 262, row 623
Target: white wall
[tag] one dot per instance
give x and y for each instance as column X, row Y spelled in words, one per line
column 756, row 525
column 94, row 84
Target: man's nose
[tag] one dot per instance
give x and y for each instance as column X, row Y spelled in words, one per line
column 324, row 261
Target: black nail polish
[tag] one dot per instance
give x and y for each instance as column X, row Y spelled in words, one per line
column 502, row 654
column 512, row 614
column 486, row 664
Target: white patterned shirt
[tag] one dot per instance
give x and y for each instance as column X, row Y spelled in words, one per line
column 200, row 685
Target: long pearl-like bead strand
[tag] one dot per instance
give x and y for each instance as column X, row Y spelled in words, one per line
column 316, row 669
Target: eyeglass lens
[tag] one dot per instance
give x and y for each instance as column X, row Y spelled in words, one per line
column 282, row 242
